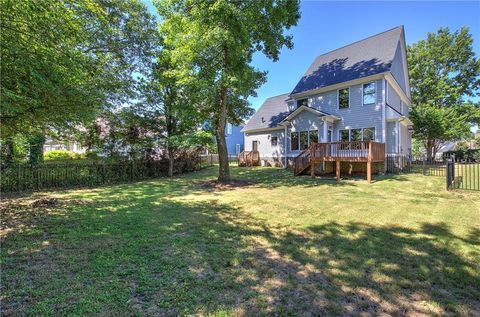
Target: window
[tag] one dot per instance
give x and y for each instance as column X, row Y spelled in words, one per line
column 294, row 141
column 274, row 140
column 237, row 148
column 303, row 140
column 229, row 128
column 344, row 135
column 369, row 93
column 314, row 136
column 369, row 134
column 302, row 102
column 343, row 98
column 356, row 135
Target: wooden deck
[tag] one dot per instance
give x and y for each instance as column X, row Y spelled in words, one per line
column 249, row 158
column 355, row 151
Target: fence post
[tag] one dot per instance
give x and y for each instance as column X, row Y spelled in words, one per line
column 424, row 166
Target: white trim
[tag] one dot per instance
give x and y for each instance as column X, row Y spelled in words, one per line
column 393, row 82
column 312, row 110
column 384, row 112
column 338, row 98
column 339, row 85
column 375, row 94
column 262, row 130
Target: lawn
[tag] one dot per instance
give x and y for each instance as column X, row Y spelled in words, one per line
column 272, row 245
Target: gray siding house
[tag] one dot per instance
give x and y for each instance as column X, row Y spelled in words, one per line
column 357, row 92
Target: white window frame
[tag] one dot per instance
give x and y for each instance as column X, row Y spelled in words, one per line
column 375, row 94
column 229, row 129
column 338, row 98
column 271, row 140
column 339, row 133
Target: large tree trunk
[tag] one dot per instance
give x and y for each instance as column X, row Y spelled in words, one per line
column 224, row 169
column 429, row 148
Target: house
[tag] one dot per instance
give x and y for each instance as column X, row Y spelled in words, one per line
column 354, row 94
column 72, row 146
column 234, row 138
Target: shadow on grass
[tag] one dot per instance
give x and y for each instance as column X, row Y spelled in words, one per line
column 158, row 255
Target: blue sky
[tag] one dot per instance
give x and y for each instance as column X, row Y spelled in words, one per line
column 327, row 25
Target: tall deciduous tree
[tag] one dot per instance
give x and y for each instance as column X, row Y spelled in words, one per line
column 444, row 73
column 64, row 59
column 214, row 41
column 171, row 105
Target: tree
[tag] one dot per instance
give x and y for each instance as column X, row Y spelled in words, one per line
column 214, row 43
column 444, row 73
column 62, row 60
column 172, row 106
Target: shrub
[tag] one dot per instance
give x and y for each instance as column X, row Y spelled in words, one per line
column 58, row 155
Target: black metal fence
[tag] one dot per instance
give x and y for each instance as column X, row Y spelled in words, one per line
column 459, row 173
column 403, row 164
column 463, row 175
column 59, row 175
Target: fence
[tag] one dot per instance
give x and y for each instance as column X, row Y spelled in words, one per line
column 463, row 175
column 459, row 173
column 403, row 164
column 50, row 176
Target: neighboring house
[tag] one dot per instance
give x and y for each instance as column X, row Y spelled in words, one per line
column 234, row 138
column 71, row 146
column 357, row 92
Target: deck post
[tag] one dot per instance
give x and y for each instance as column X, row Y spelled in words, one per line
column 369, row 163
column 369, row 171
column 312, row 161
column 337, row 169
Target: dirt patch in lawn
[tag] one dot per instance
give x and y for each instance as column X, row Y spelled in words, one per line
column 17, row 214
column 214, row 185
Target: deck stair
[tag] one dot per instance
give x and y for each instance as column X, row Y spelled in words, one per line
column 248, row 158
column 302, row 162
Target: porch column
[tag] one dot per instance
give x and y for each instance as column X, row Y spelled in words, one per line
column 325, row 129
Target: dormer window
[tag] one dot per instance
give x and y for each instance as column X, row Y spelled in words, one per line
column 302, row 102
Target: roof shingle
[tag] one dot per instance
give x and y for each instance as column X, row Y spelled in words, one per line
column 370, row 56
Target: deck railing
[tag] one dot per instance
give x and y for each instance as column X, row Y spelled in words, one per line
column 348, row 151
column 249, row 158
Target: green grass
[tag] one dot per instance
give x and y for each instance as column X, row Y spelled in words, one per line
column 282, row 246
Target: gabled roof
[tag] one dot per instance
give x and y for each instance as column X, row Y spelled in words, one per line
column 270, row 114
column 293, row 114
column 370, row 56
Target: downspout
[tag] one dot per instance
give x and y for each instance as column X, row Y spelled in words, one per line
column 285, row 145
column 384, row 122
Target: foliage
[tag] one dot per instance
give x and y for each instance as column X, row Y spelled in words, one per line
column 58, row 155
column 477, row 142
column 462, row 146
column 64, row 59
column 464, row 154
column 171, row 107
column 13, row 149
column 35, row 144
column 214, row 42
column 444, row 72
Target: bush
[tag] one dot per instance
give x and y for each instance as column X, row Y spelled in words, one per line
column 58, row 155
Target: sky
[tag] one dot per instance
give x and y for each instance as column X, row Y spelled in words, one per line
column 327, row 25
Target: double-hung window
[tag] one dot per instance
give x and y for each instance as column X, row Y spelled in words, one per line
column 344, row 98
column 294, row 141
column 369, row 93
